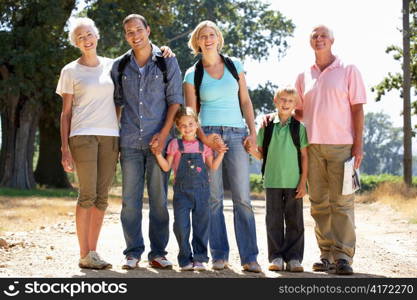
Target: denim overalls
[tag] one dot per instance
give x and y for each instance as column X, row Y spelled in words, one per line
column 191, row 194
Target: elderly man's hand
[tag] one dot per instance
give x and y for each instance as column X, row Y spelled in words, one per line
column 167, row 52
column 266, row 119
column 357, row 153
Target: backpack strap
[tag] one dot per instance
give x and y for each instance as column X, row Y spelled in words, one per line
column 180, row 145
column 118, row 92
column 295, row 135
column 199, row 73
column 161, row 64
column 265, row 144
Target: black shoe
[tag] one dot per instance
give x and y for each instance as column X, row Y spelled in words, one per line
column 323, row 266
column 343, row 267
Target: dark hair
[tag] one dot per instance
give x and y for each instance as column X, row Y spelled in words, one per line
column 135, row 16
column 185, row 111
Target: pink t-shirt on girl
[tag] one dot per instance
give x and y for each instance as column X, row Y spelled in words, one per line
column 189, row 147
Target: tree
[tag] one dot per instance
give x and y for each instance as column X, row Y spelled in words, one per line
column 382, row 145
column 403, row 83
column 30, row 57
column 262, row 98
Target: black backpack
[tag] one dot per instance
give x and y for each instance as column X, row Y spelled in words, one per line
column 295, row 136
column 160, row 63
column 199, row 73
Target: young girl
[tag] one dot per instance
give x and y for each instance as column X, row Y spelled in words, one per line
column 189, row 158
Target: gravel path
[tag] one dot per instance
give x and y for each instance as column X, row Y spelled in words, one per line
column 386, row 247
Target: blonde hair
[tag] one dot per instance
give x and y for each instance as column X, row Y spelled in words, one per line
column 185, row 111
column 288, row 90
column 193, row 41
column 77, row 23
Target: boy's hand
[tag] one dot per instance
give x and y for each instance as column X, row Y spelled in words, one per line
column 301, row 190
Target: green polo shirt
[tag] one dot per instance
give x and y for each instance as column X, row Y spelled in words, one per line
column 281, row 170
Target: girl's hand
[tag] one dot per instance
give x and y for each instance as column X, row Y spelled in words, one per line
column 301, row 190
column 67, row 161
column 216, row 143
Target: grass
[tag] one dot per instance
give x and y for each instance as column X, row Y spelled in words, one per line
column 397, row 195
column 47, row 193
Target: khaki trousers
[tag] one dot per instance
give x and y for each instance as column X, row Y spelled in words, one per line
column 333, row 213
column 95, row 159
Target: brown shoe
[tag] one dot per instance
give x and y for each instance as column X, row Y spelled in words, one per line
column 343, row 267
column 323, row 266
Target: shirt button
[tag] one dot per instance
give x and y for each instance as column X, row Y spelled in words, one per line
column 156, row 76
column 141, row 117
column 141, row 130
column 140, row 90
column 140, row 103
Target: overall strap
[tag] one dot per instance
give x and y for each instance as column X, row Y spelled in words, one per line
column 180, row 145
column 200, row 146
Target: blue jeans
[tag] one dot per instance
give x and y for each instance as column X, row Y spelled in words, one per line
column 138, row 163
column 236, row 163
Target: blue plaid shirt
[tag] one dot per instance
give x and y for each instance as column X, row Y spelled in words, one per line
column 146, row 98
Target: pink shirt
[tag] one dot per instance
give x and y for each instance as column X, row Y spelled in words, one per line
column 326, row 98
column 189, row 147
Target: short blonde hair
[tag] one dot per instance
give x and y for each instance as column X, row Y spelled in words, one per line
column 77, row 23
column 288, row 90
column 185, row 111
column 193, row 41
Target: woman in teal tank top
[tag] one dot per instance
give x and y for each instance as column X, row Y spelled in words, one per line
column 223, row 101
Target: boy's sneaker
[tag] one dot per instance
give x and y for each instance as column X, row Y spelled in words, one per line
column 252, row 267
column 131, row 263
column 219, row 264
column 188, row 267
column 93, row 261
column 294, row 265
column 160, row 262
column 199, row 266
column 277, row 264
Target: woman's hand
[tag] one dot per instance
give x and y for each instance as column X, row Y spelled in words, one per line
column 249, row 142
column 67, row 161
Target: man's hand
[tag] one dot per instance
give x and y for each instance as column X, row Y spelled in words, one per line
column 357, row 153
column 266, row 119
column 249, row 142
column 157, row 143
column 67, row 161
column 167, row 52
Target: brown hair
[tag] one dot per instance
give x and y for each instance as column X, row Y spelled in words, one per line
column 135, row 16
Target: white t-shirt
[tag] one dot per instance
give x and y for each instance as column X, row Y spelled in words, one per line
column 93, row 110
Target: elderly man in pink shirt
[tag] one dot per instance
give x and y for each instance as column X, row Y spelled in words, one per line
column 332, row 95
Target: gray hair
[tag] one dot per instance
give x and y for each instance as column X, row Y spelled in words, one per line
column 329, row 30
column 77, row 23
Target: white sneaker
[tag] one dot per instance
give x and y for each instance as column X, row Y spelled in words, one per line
column 219, row 264
column 160, row 262
column 131, row 263
column 93, row 261
column 277, row 264
column 188, row 267
column 199, row 266
column 294, row 266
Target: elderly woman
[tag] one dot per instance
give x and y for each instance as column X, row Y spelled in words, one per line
column 217, row 85
column 89, row 134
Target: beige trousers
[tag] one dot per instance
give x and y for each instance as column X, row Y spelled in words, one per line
column 333, row 213
column 95, row 159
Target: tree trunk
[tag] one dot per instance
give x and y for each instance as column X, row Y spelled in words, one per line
column 49, row 171
column 19, row 120
column 408, row 156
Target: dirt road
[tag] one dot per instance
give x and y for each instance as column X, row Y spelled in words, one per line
column 386, row 247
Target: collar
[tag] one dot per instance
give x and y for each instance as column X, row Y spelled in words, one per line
column 335, row 64
column 155, row 52
column 276, row 120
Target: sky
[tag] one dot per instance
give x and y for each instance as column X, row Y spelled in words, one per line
column 362, row 28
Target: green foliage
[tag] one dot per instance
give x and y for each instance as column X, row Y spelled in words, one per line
column 382, row 145
column 395, row 81
column 256, row 183
column 370, row 182
column 262, row 98
column 47, row 193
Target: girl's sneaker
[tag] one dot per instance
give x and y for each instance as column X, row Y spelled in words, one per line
column 199, row 266
column 188, row 267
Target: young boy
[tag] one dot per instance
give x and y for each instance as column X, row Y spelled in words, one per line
column 282, row 146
